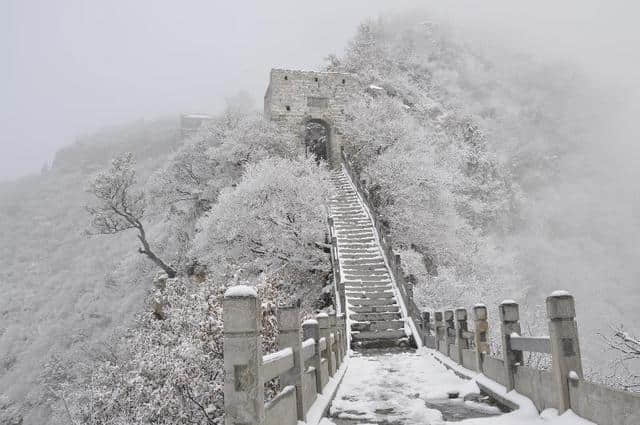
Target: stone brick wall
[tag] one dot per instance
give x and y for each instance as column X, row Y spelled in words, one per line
column 294, row 98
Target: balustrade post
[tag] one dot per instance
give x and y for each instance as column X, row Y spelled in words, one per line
column 461, row 327
column 450, row 331
column 289, row 336
column 409, row 288
column 333, row 324
column 438, row 318
column 481, row 328
column 336, row 267
column 343, row 327
column 510, row 323
column 311, row 329
column 243, row 384
column 397, row 266
column 426, row 328
column 325, row 332
column 565, row 347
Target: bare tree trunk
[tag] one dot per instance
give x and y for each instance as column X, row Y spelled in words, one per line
column 146, row 250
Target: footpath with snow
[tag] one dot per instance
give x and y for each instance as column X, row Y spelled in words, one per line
column 412, row 388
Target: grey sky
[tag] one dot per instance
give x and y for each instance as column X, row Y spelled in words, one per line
column 71, row 66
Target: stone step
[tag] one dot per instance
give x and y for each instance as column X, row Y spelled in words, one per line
column 356, row 233
column 360, row 240
column 374, row 301
column 367, row 273
column 366, row 344
column 350, row 287
column 347, row 250
column 351, row 264
column 369, row 278
column 376, row 309
column 392, row 334
column 378, row 326
column 370, row 294
column 348, row 245
column 360, row 267
column 344, row 198
column 375, row 317
column 347, row 209
column 354, row 256
column 366, row 283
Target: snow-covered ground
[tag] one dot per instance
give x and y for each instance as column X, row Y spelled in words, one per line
column 404, row 387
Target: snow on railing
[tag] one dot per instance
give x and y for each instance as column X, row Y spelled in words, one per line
column 562, row 388
column 304, row 368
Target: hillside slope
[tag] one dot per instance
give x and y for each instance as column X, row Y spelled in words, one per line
column 61, row 288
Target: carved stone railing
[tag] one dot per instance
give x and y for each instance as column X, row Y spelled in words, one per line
column 405, row 288
column 339, row 291
column 304, row 365
column 562, row 388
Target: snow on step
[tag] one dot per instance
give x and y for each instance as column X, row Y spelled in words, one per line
column 393, row 387
column 374, row 313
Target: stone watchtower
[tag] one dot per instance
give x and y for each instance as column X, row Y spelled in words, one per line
column 298, row 98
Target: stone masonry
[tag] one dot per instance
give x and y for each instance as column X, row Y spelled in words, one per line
column 295, row 98
column 373, row 311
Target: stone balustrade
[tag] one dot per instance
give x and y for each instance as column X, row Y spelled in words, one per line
column 563, row 387
column 308, row 356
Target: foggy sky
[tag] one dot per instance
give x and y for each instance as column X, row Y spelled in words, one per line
column 73, row 66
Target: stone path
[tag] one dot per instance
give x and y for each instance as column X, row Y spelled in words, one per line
column 394, row 387
column 374, row 314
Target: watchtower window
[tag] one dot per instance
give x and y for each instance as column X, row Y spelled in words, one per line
column 344, row 81
column 315, row 79
column 286, row 77
column 288, row 108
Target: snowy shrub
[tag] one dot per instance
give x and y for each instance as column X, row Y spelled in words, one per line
column 163, row 371
column 272, row 219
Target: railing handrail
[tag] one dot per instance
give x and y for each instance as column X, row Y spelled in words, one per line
column 304, row 366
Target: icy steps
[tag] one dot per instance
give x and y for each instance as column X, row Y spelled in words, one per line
column 376, row 321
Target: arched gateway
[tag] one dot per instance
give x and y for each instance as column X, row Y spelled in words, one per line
column 311, row 104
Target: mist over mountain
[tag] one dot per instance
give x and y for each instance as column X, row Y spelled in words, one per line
column 498, row 173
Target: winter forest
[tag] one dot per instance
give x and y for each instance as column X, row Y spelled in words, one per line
column 487, row 167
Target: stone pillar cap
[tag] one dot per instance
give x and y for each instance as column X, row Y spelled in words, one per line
column 560, row 293
column 560, row 305
column 241, row 291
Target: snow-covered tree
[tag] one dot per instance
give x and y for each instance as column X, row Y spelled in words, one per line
column 275, row 217
column 625, row 368
column 121, row 206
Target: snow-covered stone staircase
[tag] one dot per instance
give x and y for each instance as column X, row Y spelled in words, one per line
column 373, row 311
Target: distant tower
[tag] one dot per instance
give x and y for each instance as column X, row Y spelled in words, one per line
column 310, row 103
column 191, row 123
